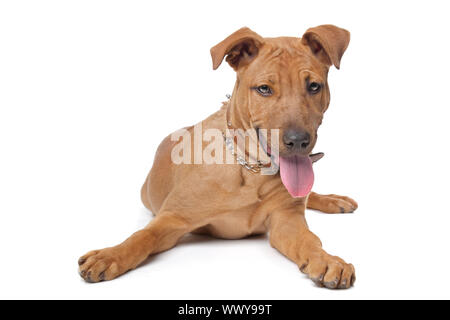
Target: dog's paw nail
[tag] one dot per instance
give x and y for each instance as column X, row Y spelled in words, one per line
column 82, row 273
column 343, row 284
column 88, row 276
column 81, row 261
column 342, row 209
column 317, row 282
column 102, row 276
column 303, row 267
column 331, row 284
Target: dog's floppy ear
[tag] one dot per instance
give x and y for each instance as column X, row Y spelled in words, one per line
column 241, row 47
column 327, row 43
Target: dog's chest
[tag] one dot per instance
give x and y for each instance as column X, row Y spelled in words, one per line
column 242, row 216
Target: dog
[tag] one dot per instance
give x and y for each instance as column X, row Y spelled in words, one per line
column 281, row 84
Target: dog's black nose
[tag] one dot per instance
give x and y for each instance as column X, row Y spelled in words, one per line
column 296, row 139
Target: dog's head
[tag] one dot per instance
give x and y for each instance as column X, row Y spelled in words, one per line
column 282, row 84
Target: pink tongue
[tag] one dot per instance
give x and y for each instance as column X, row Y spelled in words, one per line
column 297, row 175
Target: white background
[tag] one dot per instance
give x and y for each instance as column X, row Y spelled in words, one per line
column 88, row 89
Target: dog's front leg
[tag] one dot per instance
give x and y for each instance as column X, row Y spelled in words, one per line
column 161, row 234
column 289, row 234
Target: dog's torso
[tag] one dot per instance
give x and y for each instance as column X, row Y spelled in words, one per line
column 238, row 198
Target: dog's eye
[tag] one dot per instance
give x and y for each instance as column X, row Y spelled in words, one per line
column 314, row 87
column 264, row 90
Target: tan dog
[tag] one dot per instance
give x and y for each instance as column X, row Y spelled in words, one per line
column 281, row 84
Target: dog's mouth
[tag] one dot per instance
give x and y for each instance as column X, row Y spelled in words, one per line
column 296, row 171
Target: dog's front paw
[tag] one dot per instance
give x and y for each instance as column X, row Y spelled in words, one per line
column 333, row 203
column 100, row 265
column 329, row 271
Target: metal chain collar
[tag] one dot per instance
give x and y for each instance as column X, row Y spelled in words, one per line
column 229, row 143
column 255, row 168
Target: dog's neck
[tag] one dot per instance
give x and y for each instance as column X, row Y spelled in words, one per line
column 237, row 117
column 238, row 121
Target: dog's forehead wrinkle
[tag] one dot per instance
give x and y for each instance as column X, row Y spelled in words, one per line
column 286, row 46
column 280, row 62
column 275, row 54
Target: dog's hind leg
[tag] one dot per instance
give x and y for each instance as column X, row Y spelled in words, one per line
column 331, row 203
column 161, row 234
